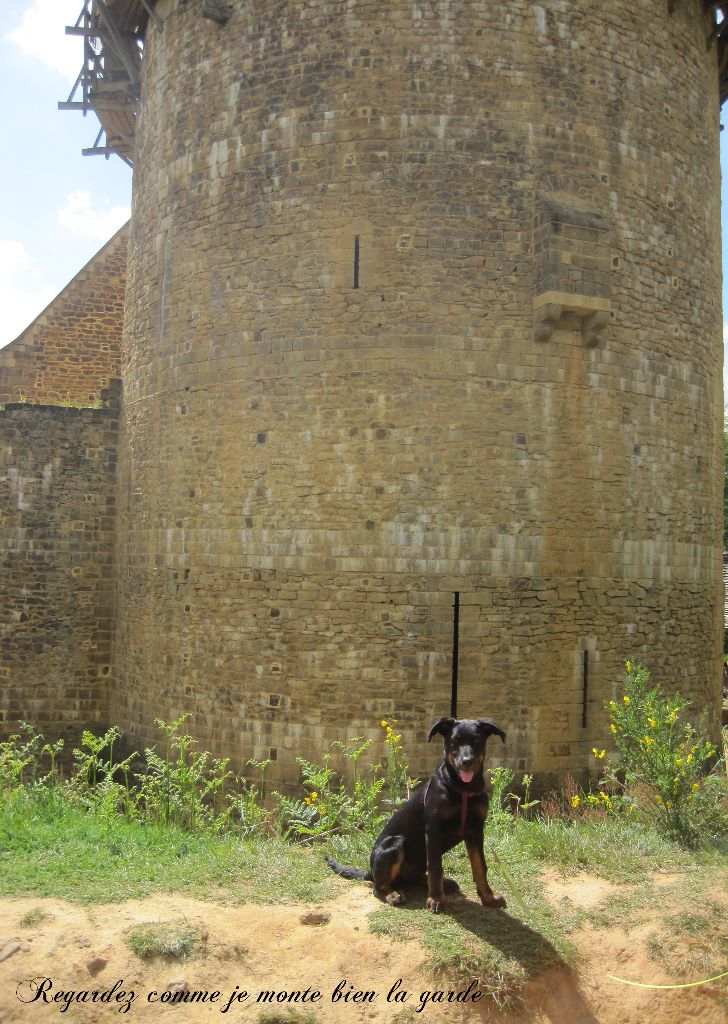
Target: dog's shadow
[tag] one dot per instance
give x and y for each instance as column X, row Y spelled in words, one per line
column 551, row 985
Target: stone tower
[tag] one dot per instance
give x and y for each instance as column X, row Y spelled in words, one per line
column 424, row 301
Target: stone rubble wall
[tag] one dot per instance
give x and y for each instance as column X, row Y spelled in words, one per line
column 72, row 350
column 57, row 508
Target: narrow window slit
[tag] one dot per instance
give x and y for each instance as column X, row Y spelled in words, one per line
column 356, row 261
column 584, row 688
column 455, row 644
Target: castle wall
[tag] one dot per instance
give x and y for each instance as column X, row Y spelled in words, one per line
column 423, row 299
column 57, row 503
column 71, row 352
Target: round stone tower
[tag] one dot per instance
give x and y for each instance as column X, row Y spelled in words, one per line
column 423, row 312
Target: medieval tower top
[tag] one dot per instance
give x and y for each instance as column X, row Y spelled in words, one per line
column 422, row 356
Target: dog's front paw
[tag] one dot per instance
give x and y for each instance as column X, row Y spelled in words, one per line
column 493, row 901
column 394, row 899
column 433, row 904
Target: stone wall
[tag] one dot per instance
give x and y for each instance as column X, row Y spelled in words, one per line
column 57, row 504
column 71, row 352
column 423, row 299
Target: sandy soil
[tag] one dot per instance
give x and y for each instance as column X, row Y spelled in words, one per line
column 255, row 948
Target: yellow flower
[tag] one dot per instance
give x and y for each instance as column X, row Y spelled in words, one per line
column 613, row 727
column 652, row 722
column 673, row 715
column 597, row 753
column 695, row 787
column 629, row 666
column 593, row 800
column 688, row 759
column 384, row 723
column 322, row 809
column 575, row 801
column 678, row 761
column 626, row 699
column 314, row 795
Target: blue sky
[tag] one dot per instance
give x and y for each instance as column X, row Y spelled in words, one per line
column 59, row 207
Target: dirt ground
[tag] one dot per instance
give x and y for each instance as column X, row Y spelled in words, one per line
column 257, row 948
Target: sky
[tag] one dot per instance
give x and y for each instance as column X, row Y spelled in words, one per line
column 57, row 207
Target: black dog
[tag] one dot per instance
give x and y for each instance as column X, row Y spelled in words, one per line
column 448, row 809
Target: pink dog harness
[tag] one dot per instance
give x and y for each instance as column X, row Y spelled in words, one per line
column 465, row 795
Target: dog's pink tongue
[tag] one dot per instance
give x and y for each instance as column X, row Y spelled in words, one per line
column 467, row 776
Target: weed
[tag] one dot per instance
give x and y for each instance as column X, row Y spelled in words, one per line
column 663, row 765
column 167, row 939
column 33, row 917
column 501, row 779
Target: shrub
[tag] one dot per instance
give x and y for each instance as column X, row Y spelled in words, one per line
column 664, row 764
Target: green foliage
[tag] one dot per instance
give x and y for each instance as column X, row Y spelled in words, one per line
column 170, row 940
column 501, row 779
column 182, row 787
column 331, row 804
column 522, row 804
column 663, row 764
column 19, row 759
column 351, row 801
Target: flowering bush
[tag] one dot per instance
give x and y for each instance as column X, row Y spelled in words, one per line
column 663, row 764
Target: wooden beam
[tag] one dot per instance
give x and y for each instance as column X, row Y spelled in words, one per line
column 119, row 44
column 152, row 13
column 101, row 104
column 98, row 33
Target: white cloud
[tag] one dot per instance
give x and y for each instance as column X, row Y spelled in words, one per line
column 79, row 216
column 41, row 36
column 22, row 295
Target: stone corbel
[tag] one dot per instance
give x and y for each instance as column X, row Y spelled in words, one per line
column 545, row 319
column 550, row 307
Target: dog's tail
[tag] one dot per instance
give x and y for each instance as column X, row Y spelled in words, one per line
column 345, row 872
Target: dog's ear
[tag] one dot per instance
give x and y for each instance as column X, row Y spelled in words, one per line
column 489, row 727
column 444, row 726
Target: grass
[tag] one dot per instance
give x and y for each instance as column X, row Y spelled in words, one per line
column 51, row 848
column 56, row 850
column 165, row 939
column 33, row 918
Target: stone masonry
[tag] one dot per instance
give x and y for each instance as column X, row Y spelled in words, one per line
column 71, row 352
column 57, row 501
column 423, row 299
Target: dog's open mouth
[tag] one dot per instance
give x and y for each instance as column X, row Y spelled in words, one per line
column 466, row 776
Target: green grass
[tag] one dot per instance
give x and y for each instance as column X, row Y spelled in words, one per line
column 169, row 940
column 692, row 942
column 50, row 849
